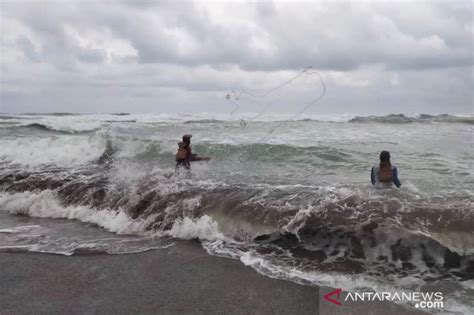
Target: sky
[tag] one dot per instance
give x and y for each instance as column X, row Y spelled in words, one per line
column 141, row 56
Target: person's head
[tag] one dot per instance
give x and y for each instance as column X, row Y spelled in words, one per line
column 384, row 156
column 187, row 139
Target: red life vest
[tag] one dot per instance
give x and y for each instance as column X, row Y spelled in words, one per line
column 182, row 154
column 385, row 172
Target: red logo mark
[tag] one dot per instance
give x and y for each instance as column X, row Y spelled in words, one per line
column 330, row 299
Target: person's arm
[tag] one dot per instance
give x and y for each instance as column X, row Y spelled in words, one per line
column 372, row 176
column 196, row 157
column 396, row 180
column 200, row 158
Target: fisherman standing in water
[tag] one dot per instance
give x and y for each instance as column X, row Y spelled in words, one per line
column 385, row 174
column 185, row 155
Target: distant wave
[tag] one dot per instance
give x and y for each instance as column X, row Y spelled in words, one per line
column 269, row 117
column 121, row 121
column 388, row 119
column 403, row 119
column 6, row 117
column 58, row 114
column 8, row 124
column 45, row 128
column 203, row 121
column 50, row 114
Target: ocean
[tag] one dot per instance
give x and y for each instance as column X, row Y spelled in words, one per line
column 288, row 197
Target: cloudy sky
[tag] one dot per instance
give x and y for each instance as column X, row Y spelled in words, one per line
column 180, row 56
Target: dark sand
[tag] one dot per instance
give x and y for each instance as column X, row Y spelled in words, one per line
column 179, row 279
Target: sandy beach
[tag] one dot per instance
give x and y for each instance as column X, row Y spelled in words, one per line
column 179, row 279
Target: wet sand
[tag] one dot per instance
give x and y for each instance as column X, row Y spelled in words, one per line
column 179, row 279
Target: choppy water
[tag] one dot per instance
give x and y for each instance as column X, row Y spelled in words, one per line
column 297, row 205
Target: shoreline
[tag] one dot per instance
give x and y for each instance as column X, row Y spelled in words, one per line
column 183, row 278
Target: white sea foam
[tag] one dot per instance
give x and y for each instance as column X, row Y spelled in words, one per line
column 203, row 228
column 19, row 229
column 358, row 282
column 59, row 151
column 70, row 124
column 45, row 204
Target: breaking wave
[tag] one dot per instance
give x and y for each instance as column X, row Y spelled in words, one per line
column 70, row 123
column 331, row 226
column 422, row 118
column 204, row 121
column 41, row 127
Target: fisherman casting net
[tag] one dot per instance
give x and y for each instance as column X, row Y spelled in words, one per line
column 299, row 93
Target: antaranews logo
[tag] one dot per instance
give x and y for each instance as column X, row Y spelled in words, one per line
column 334, row 294
column 424, row 300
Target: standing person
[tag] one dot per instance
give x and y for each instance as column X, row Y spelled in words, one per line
column 185, row 155
column 182, row 157
column 385, row 174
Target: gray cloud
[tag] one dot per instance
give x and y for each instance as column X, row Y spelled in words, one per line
column 27, row 47
column 412, row 56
